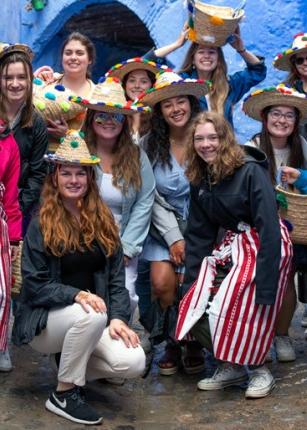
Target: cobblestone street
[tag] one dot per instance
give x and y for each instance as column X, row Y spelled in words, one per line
column 158, row 402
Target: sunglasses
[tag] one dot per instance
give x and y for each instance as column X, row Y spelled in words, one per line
column 299, row 60
column 105, row 116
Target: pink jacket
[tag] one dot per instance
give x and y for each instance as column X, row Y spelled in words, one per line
column 9, row 176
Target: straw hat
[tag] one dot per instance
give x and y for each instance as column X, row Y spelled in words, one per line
column 282, row 61
column 109, row 96
column 120, row 70
column 212, row 25
column 281, row 95
column 6, row 49
column 169, row 84
column 52, row 102
column 73, row 150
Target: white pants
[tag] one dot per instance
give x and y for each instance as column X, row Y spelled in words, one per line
column 131, row 273
column 87, row 350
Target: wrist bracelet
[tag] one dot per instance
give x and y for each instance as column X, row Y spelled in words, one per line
column 241, row 51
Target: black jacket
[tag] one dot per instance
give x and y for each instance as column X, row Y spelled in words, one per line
column 32, row 142
column 42, row 289
column 246, row 196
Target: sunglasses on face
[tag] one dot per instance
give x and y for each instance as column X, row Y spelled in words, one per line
column 299, row 60
column 105, row 116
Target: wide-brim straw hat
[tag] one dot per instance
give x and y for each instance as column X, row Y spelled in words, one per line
column 282, row 61
column 282, row 95
column 169, row 84
column 73, row 150
column 109, row 96
column 120, row 70
column 52, row 102
column 7, row 49
column 212, row 25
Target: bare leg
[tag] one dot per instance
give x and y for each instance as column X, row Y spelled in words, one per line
column 164, row 282
column 287, row 309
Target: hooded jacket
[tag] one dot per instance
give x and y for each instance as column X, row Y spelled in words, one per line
column 245, row 196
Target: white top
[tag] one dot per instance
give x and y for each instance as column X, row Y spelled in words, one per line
column 281, row 156
column 111, row 196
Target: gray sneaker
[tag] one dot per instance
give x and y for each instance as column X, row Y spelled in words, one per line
column 226, row 374
column 261, row 383
column 284, row 349
column 5, row 361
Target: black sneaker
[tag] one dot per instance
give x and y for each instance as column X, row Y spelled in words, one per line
column 71, row 405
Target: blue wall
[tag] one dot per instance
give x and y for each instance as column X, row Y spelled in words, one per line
column 267, row 29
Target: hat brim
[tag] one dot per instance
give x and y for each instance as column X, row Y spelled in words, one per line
column 122, row 71
column 175, row 89
column 55, row 159
column 102, row 107
column 17, row 48
column 284, row 62
column 254, row 105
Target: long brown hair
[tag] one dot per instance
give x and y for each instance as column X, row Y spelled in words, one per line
column 296, row 157
column 229, row 157
column 63, row 233
column 220, row 86
column 126, row 167
column 26, row 119
column 87, row 43
column 293, row 75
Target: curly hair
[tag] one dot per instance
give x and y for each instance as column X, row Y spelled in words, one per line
column 296, row 157
column 230, row 155
column 220, row 86
column 63, row 233
column 126, row 167
column 26, row 119
column 158, row 144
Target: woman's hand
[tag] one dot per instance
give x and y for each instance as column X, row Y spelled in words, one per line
column 57, row 128
column 176, row 251
column 45, row 73
column 289, row 174
column 119, row 330
column 87, row 300
column 237, row 43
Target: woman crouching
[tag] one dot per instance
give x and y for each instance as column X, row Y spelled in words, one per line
column 73, row 298
column 232, row 307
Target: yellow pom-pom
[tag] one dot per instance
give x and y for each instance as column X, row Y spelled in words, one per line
column 65, row 106
column 216, row 20
column 40, row 105
column 192, row 35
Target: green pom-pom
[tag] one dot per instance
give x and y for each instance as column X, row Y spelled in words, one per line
column 282, row 200
column 62, row 139
column 191, row 22
column 65, row 106
column 81, row 134
column 74, row 144
column 40, row 105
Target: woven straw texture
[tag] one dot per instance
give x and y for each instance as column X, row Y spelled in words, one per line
column 296, row 213
column 16, row 273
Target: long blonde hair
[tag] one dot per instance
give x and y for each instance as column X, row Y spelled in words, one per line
column 63, row 233
column 230, row 155
column 220, row 86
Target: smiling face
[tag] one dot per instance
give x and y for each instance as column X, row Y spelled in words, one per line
column 137, row 82
column 205, row 59
column 72, row 182
column 206, row 142
column 300, row 61
column 15, row 83
column 281, row 121
column 75, row 59
column 108, row 126
column 176, row 111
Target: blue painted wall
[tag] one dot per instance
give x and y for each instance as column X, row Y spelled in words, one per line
column 267, row 29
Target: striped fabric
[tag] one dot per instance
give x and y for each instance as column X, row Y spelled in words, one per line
column 241, row 330
column 5, row 276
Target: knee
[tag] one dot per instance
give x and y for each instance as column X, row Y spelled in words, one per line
column 160, row 287
column 93, row 322
column 135, row 362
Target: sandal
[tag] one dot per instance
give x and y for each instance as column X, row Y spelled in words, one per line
column 194, row 359
column 170, row 361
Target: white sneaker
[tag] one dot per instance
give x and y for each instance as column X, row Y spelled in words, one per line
column 5, row 361
column 284, row 349
column 261, row 383
column 226, row 374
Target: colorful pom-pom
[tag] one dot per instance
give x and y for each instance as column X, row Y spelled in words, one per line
column 62, row 139
column 74, row 144
column 40, row 105
column 81, row 134
column 282, row 200
column 50, row 96
column 216, row 20
column 37, row 81
column 59, row 87
column 65, row 106
column 192, row 35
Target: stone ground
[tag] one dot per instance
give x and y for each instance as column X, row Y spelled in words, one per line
column 157, row 402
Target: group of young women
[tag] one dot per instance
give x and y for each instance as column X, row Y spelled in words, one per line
column 171, row 191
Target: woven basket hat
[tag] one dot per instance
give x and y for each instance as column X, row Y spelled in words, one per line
column 109, row 96
column 6, row 49
column 211, row 25
column 281, row 95
column 120, row 70
column 169, row 84
column 73, row 150
column 282, row 61
column 52, row 102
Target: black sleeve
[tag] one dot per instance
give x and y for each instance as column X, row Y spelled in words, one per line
column 118, row 294
column 37, row 166
column 200, row 237
column 39, row 287
column 266, row 221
